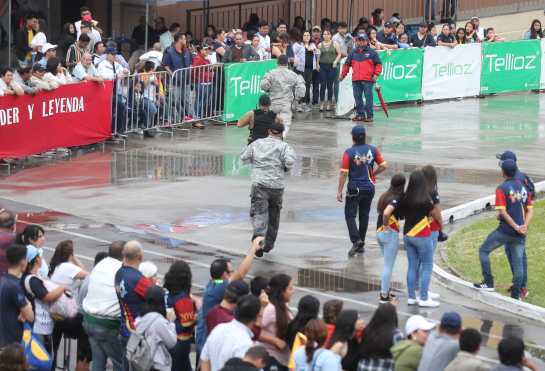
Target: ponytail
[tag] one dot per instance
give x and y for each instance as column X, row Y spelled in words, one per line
column 316, row 333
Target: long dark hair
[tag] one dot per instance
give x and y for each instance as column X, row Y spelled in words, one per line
column 52, row 64
column 533, row 33
column 416, row 196
column 307, row 309
column 375, row 16
column 316, row 333
column 378, row 336
column 463, row 39
column 178, row 278
column 29, row 234
column 397, row 185
column 431, row 177
column 154, row 301
column 63, row 252
column 345, row 326
column 277, row 286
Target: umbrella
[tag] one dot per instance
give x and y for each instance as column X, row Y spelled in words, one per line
column 381, row 99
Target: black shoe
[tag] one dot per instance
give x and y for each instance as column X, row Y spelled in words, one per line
column 357, row 247
column 386, row 299
column 268, row 248
column 361, row 248
column 483, row 286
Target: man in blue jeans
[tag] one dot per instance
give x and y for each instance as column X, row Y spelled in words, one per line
column 366, row 68
column 530, row 188
column 358, row 166
column 514, row 206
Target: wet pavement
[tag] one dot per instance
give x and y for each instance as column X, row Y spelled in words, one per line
column 188, row 197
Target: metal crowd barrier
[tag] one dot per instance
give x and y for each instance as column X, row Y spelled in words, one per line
column 162, row 101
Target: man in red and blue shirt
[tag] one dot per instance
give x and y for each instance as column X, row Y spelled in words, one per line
column 530, row 188
column 514, row 206
column 131, row 287
column 366, row 68
column 358, row 166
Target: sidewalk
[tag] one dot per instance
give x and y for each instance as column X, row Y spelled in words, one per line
column 510, row 26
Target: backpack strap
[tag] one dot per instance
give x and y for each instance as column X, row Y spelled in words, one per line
column 27, row 284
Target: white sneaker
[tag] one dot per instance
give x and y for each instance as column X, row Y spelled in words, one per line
column 428, row 303
column 433, row 295
column 412, row 301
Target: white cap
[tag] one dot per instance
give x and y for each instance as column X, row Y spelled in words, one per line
column 418, row 322
column 148, row 269
column 47, row 47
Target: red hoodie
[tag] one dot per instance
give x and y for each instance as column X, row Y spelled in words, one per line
column 203, row 74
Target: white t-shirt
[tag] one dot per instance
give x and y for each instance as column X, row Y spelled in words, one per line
column 65, row 274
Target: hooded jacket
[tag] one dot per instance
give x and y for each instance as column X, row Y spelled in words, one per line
column 160, row 334
column 365, row 64
column 407, row 354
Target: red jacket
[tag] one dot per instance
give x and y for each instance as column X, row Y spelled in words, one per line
column 365, row 64
column 202, row 74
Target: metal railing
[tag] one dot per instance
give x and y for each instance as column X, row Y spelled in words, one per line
column 148, row 101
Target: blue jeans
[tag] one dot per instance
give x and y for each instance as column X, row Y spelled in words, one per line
column 419, row 251
column 515, row 245
column 202, row 97
column 361, row 88
column 104, row 344
column 389, row 245
column 434, row 237
column 358, row 202
column 524, row 266
column 327, row 79
column 149, row 110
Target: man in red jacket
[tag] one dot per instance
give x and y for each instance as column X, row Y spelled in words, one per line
column 366, row 68
column 202, row 79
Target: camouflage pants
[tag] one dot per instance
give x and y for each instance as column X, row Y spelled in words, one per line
column 265, row 213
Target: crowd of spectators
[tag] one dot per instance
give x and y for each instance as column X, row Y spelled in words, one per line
column 314, row 51
column 121, row 302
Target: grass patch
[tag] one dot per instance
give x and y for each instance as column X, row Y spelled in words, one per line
column 463, row 255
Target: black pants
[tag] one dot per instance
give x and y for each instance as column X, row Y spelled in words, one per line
column 358, row 202
column 315, row 86
column 265, row 213
column 307, row 75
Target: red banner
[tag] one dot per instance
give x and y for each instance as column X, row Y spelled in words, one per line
column 72, row 115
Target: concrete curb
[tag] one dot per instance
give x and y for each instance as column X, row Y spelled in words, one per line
column 465, row 288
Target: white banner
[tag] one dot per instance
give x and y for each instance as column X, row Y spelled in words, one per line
column 451, row 72
column 345, row 101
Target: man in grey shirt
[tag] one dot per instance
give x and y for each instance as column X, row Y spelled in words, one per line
column 442, row 346
column 271, row 158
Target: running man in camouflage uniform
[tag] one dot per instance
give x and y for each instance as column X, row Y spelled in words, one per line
column 284, row 86
column 271, row 158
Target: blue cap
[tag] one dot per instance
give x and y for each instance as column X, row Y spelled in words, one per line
column 451, row 320
column 111, row 50
column 362, row 36
column 509, row 165
column 358, row 130
column 506, row 155
column 32, row 252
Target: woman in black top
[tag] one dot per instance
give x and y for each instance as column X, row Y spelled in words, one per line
column 446, row 38
column 416, row 206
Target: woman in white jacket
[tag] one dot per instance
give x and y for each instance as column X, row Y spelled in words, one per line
column 56, row 74
column 306, row 56
column 158, row 328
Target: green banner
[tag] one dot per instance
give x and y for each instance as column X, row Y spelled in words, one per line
column 242, row 91
column 401, row 78
column 510, row 66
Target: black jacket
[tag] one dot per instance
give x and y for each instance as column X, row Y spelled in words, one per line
column 21, row 44
column 237, row 364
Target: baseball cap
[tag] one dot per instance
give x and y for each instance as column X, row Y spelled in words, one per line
column 32, row 252
column 358, row 130
column 474, row 17
column 37, row 67
column 508, row 165
column 111, row 50
column 418, row 322
column 362, row 36
column 316, row 28
column 451, row 320
column 506, row 155
column 87, row 18
column 48, row 46
column 238, row 288
column 388, row 24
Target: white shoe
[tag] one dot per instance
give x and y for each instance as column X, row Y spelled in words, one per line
column 433, row 295
column 412, row 301
column 428, row 303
